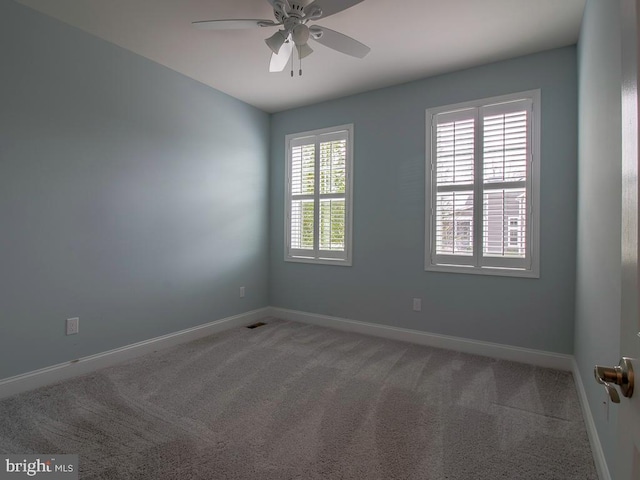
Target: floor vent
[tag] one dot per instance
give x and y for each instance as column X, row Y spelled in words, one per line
column 256, row 325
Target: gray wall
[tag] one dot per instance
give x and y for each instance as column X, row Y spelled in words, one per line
column 130, row 196
column 388, row 267
column 599, row 200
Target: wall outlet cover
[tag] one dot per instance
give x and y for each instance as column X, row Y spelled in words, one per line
column 417, row 304
column 73, row 326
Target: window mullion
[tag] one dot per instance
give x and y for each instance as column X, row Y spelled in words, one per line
column 503, row 185
column 289, row 187
column 332, row 196
column 316, row 200
column 529, row 244
column 433, row 192
column 478, row 158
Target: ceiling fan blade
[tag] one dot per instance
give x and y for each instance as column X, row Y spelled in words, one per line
column 338, row 41
column 329, row 7
column 272, row 2
column 232, row 24
column 279, row 61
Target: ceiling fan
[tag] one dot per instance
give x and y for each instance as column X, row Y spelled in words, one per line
column 293, row 16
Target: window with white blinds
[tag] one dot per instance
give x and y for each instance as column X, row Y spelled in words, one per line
column 482, row 186
column 318, row 204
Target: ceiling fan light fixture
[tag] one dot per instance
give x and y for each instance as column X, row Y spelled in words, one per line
column 275, row 41
column 300, row 34
column 304, row 50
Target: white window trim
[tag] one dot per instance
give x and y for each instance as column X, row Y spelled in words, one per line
column 533, row 233
column 340, row 259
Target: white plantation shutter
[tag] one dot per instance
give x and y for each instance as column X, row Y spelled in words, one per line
column 481, row 206
column 506, row 141
column 302, row 190
column 453, row 175
column 318, row 216
column 333, row 169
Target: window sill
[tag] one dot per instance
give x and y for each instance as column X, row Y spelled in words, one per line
column 319, row 261
column 493, row 271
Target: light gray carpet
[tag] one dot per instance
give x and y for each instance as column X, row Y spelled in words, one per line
column 289, row 401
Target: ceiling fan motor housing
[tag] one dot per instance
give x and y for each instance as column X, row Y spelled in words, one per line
column 293, row 9
column 297, row 8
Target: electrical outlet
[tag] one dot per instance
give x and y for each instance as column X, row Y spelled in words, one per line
column 241, row 292
column 417, row 304
column 73, row 326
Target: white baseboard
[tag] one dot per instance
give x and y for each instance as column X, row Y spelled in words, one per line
column 524, row 355
column 594, row 439
column 48, row 375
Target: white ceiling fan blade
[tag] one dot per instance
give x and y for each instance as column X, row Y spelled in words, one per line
column 329, row 7
column 279, row 61
column 273, row 2
column 232, row 24
column 338, row 41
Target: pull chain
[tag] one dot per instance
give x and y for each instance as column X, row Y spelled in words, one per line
column 300, row 58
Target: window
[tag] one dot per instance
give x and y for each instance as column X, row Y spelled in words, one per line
column 319, row 177
column 482, row 198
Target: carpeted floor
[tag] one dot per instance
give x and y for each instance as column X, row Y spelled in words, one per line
column 287, row 401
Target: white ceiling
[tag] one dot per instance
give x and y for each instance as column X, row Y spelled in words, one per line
column 409, row 39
